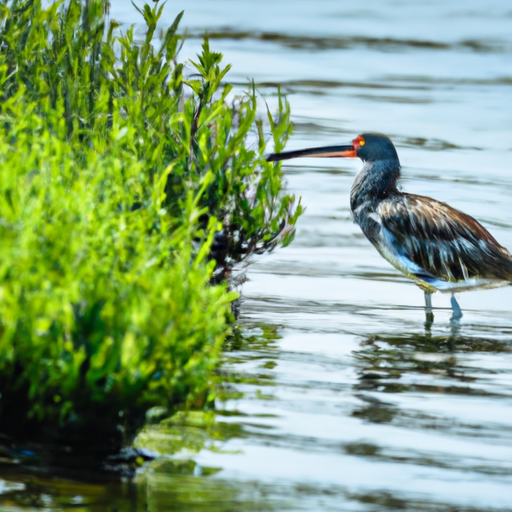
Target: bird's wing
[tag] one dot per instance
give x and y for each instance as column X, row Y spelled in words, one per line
column 443, row 241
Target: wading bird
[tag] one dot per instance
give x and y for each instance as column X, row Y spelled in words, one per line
column 437, row 246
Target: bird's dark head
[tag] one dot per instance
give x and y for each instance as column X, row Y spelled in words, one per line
column 369, row 147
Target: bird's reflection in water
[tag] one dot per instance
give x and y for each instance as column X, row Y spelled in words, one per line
column 421, row 382
column 418, row 362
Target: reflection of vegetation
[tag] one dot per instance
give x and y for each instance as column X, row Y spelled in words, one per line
column 188, row 432
column 180, row 483
column 376, row 412
column 378, row 501
column 259, row 337
column 41, row 492
column 170, row 485
column 167, row 490
column 252, row 343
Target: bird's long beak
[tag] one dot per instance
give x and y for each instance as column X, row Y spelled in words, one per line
column 323, row 152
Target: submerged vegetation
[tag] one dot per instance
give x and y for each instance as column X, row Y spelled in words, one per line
column 128, row 193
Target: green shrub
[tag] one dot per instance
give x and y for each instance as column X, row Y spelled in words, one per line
column 103, row 310
column 70, row 58
column 126, row 192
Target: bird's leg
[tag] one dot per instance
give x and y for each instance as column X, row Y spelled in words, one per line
column 429, row 314
column 457, row 312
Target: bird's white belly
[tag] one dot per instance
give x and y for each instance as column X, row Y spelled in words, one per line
column 411, row 269
column 467, row 284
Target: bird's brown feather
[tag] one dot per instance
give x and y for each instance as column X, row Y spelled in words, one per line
column 445, row 242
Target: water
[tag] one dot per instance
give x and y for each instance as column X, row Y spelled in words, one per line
column 339, row 398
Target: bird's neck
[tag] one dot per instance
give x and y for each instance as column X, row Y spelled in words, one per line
column 374, row 182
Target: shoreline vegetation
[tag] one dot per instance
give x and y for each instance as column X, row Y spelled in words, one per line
column 129, row 194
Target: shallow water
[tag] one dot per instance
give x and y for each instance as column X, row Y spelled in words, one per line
column 339, row 397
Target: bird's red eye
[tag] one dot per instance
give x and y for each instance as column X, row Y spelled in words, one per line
column 358, row 142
